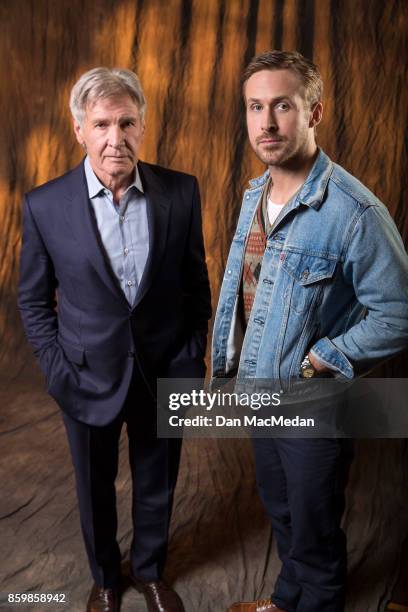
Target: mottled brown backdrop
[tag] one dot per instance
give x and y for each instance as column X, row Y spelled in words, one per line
column 189, row 55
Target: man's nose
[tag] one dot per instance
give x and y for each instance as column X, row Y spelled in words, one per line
column 269, row 120
column 116, row 136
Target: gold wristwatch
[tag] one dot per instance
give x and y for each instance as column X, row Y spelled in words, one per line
column 306, row 368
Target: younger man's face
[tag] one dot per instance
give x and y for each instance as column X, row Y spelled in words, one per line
column 280, row 123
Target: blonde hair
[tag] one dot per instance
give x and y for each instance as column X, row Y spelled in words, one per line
column 289, row 60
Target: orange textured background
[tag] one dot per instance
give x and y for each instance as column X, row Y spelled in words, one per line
column 189, row 56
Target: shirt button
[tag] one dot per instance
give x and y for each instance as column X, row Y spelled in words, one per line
column 247, row 197
column 122, row 218
column 129, row 283
column 305, row 273
column 229, row 271
column 126, row 251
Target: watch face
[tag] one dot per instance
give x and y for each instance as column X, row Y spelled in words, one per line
column 308, row 372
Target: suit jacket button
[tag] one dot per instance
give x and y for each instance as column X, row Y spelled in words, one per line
column 131, row 354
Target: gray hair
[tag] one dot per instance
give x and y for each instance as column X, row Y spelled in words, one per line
column 103, row 83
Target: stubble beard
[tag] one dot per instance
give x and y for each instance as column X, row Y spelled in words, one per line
column 272, row 156
column 284, row 156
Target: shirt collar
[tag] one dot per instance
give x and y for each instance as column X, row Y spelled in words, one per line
column 95, row 186
column 314, row 188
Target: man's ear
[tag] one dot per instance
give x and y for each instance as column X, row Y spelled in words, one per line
column 316, row 114
column 78, row 132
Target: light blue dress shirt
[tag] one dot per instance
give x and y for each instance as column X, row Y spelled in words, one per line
column 123, row 229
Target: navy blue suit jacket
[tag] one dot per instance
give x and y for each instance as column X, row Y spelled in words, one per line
column 83, row 331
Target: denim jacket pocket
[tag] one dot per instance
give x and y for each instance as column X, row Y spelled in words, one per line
column 308, row 272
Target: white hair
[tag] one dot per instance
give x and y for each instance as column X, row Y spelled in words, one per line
column 104, row 83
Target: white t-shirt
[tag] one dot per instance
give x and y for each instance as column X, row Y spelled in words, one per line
column 273, row 211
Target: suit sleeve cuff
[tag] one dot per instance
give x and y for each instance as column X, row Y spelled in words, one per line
column 326, row 351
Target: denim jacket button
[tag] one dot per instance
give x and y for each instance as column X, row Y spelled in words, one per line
column 305, row 273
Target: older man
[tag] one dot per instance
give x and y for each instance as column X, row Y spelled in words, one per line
column 117, row 243
column 316, row 284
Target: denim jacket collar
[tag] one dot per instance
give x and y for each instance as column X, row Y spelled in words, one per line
column 314, row 187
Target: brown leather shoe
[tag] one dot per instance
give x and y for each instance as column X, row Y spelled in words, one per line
column 103, row 600
column 159, row 596
column 261, row 605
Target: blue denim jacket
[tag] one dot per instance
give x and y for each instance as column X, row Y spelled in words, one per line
column 334, row 280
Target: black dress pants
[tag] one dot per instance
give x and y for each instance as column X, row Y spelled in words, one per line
column 154, row 465
column 302, row 483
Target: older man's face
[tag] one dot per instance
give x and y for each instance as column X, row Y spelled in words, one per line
column 111, row 132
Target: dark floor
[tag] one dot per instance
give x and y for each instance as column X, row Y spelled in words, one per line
column 221, row 550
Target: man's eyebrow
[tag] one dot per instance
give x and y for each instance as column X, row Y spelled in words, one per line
column 121, row 119
column 277, row 99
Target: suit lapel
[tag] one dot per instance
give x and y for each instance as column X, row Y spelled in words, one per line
column 83, row 224
column 158, row 213
column 81, row 219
